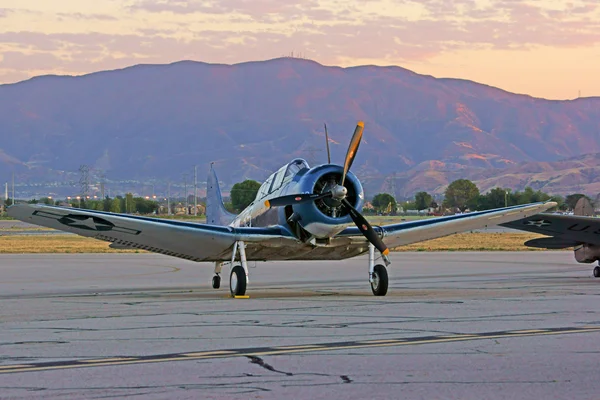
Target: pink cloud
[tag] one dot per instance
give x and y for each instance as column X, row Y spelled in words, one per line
column 451, row 26
column 81, row 16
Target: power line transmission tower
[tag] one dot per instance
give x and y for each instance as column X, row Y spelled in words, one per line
column 84, row 180
column 102, row 184
column 390, row 184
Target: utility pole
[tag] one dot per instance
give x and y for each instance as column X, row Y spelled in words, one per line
column 102, row 184
column 169, row 198
column 195, row 190
column 13, row 187
column 5, row 192
column 186, row 196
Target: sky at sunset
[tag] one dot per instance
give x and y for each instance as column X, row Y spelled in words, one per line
column 546, row 48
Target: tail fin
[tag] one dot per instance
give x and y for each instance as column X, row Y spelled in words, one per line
column 216, row 214
column 584, row 208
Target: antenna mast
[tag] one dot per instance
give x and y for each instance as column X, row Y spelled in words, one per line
column 327, row 141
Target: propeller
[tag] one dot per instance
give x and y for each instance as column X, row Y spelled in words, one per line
column 353, row 148
column 366, row 229
column 339, row 192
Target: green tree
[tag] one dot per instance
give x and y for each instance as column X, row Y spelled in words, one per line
column 495, row 198
column 572, row 199
column 423, row 200
column 115, row 205
column 244, row 193
column 560, row 201
column 461, row 194
column 145, row 206
column 128, row 204
column 381, row 202
column 107, row 203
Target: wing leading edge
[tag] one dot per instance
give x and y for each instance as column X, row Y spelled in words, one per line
column 404, row 233
column 187, row 240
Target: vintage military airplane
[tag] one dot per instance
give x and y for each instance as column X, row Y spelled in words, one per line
column 300, row 213
column 580, row 231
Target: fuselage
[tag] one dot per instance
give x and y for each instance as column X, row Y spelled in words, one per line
column 320, row 219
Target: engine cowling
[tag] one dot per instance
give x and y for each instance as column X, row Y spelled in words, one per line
column 326, row 217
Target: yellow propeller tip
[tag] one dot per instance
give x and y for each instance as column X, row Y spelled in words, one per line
column 361, row 124
column 267, row 204
column 386, row 252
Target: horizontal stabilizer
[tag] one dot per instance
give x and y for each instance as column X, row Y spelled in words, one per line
column 551, row 243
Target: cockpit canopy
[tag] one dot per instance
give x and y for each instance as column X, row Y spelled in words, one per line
column 281, row 177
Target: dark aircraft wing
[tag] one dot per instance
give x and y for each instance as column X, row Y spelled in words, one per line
column 417, row 231
column 564, row 230
column 187, row 240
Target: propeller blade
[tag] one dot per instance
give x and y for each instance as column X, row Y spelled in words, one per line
column 327, row 140
column 353, row 148
column 295, row 199
column 366, row 229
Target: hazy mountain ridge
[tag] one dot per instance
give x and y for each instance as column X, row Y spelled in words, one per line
column 155, row 121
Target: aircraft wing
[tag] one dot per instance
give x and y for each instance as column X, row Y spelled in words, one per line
column 564, row 230
column 187, row 240
column 404, row 233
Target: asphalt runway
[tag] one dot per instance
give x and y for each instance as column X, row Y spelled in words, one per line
column 453, row 326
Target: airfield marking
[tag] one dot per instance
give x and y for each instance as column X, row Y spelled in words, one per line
column 281, row 350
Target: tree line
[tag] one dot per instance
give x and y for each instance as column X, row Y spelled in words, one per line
column 119, row 204
column 463, row 194
column 460, row 195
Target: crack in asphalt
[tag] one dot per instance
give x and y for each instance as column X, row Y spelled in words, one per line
column 261, row 363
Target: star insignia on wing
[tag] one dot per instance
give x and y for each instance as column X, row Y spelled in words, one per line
column 538, row 223
column 87, row 223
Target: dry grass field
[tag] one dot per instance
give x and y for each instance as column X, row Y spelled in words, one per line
column 75, row 244
column 475, row 242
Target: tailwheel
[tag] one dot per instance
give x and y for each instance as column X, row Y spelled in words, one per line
column 237, row 281
column 379, row 281
column 597, row 272
column 216, row 282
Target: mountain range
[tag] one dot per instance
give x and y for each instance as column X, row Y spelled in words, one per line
column 153, row 122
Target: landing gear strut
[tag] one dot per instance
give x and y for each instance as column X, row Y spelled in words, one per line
column 597, row 272
column 216, row 280
column 378, row 276
column 238, row 280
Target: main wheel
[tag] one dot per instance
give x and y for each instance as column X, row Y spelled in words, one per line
column 237, row 281
column 379, row 286
column 216, row 282
column 597, row 272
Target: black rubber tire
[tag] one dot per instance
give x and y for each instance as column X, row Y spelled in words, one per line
column 216, row 282
column 381, row 280
column 597, row 272
column 240, row 280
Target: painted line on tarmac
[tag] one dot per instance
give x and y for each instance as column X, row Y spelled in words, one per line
column 289, row 349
